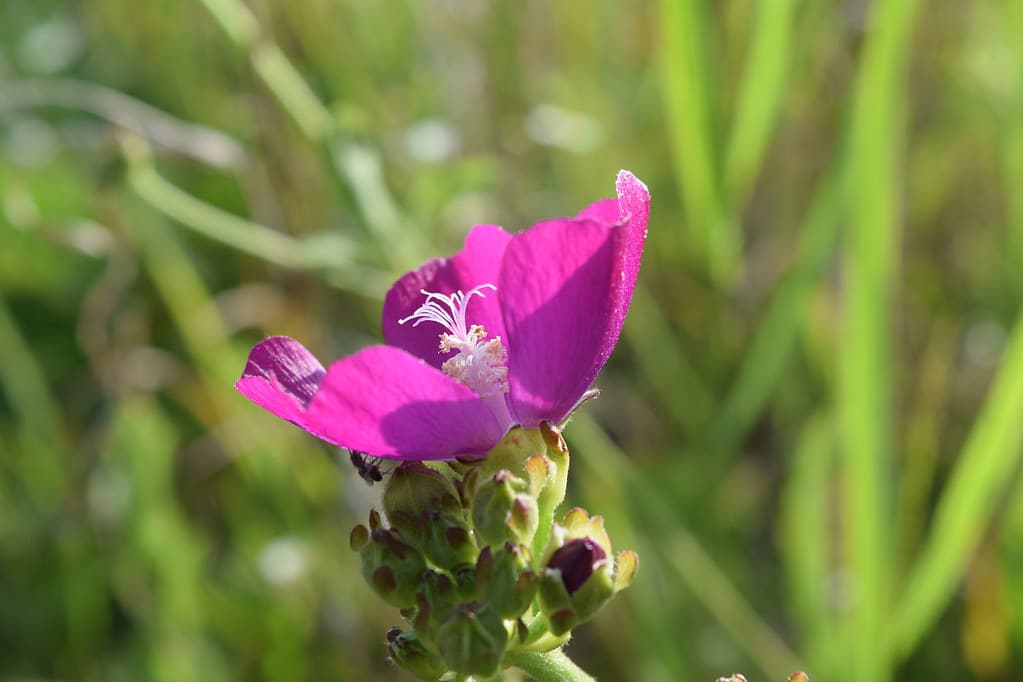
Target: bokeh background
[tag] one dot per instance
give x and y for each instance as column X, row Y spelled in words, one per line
column 810, row 429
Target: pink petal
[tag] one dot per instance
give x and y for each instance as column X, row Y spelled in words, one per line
column 387, row 403
column 604, row 211
column 478, row 263
column 281, row 376
column 565, row 288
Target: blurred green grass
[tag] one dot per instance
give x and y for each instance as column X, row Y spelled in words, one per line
column 810, row 430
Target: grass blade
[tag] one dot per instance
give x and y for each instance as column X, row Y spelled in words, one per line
column 990, row 454
column 978, row 482
column 687, row 95
column 806, row 539
column 865, row 356
column 760, row 94
column 775, row 339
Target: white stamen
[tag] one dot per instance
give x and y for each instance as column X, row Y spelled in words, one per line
column 480, row 365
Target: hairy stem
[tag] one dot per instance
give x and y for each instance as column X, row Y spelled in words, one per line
column 552, row 666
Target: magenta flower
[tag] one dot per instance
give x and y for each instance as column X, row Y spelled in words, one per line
column 511, row 330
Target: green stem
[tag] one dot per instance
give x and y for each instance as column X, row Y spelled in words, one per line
column 553, row 666
column 546, row 642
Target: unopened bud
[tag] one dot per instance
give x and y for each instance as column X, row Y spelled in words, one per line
column 392, row 567
column 472, row 640
column 576, row 561
column 503, row 510
column 505, row 579
column 511, row 453
column 435, row 603
column 579, row 576
column 413, row 488
column 442, row 536
column 408, row 651
column 425, row 506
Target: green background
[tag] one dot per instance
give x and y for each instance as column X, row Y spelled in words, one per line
column 810, row 429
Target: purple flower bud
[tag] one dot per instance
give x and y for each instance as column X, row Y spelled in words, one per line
column 576, row 560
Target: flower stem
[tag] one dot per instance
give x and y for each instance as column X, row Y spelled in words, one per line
column 552, row 666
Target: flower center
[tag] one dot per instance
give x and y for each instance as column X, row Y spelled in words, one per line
column 480, row 363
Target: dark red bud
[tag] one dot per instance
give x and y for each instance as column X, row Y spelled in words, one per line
column 576, row 560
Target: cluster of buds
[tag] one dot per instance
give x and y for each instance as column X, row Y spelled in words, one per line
column 473, row 557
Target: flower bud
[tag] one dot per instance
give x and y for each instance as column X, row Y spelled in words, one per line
column 408, row 651
column 577, row 581
column 512, row 451
column 425, row 507
column 391, row 567
column 579, row 576
column 413, row 488
column 444, row 538
column 503, row 510
column 575, row 561
column 434, row 603
column 506, row 580
column 472, row 640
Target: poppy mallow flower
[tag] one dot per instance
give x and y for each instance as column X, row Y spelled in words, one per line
column 512, row 330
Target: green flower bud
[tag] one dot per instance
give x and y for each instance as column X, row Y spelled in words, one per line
column 444, row 538
column 472, row 640
column 425, row 507
column 391, row 567
column 438, row 598
column 414, row 488
column 408, row 651
column 506, row 580
column 512, row 451
column 503, row 510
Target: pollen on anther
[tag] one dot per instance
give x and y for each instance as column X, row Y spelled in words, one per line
column 480, row 364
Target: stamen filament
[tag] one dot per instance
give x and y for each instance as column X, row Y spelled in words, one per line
column 480, row 364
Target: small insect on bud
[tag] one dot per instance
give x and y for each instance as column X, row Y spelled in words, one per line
column 367, row 467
